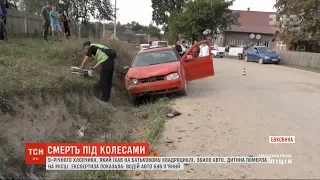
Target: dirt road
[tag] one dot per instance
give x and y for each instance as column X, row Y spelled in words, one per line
column 233, row 115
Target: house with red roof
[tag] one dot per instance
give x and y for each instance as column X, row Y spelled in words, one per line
column 254, row 29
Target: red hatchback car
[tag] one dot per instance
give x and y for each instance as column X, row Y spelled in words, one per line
column 162, row 70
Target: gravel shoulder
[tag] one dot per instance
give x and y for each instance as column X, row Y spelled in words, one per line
column 233, row 115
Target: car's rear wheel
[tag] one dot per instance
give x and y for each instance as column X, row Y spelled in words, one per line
column 261, row 61
column 221, row 56
column 184, row 91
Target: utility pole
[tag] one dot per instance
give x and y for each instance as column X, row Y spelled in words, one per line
column 115, row 20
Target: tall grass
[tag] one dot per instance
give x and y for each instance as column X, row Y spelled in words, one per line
column 29, row 65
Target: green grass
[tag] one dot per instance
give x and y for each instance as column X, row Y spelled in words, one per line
column 32, row 67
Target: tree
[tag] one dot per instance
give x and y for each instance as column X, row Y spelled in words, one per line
column 162, row 10
column 154, row 31
column 201, row 15
column 307, row 26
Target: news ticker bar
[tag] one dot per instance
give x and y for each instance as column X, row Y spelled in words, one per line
column 143, row 163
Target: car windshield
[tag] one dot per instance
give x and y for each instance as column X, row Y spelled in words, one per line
column 152, row 58
column 162, row 44
column 264, row 50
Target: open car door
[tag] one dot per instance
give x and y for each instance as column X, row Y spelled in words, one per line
column 197, row 61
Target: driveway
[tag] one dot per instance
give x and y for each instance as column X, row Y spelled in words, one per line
column 233, row 115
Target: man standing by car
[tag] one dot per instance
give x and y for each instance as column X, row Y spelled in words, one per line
column 179, row 48
column 183, row 47
column 105, row 58
column 226, row 50
column 45, row 13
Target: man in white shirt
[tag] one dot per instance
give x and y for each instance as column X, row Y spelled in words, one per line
column 183, row 46
column 204, row 50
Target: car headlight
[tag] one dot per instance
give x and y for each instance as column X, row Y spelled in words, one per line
column 133, row 81
column 267, row 57
column 172, row 76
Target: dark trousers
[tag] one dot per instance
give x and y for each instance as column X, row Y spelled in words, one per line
column 66, row 29
column 3, row 30
column 106, row 74
column 46, row 26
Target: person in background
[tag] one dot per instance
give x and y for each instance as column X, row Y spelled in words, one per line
column 226, row 50
column 45, row 13
column 3, row 27
column 204, row 50
column 66, row 21
column 183, row 47
column 4, row 4
column 105, row 58
column 179, row 48
column 196, row 50
column 55, row 23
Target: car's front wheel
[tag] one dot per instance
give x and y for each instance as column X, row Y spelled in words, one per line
column 261, row 61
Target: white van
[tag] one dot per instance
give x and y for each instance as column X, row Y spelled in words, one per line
column 159, row 44
column 144, row 46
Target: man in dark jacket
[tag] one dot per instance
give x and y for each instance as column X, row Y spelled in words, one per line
column 179, row 48
column 45, row 13
column 4, row 4
column 3, row 27
column 105, row 59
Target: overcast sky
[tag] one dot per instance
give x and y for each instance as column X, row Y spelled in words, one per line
column 141, row 11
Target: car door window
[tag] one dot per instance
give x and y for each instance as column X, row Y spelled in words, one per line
column 249, row 50
column 199, row 64
column 200, row 51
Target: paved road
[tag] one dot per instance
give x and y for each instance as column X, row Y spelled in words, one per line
column 230, row 114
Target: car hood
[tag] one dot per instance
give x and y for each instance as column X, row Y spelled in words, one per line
column 153, row 70
column 269, row 54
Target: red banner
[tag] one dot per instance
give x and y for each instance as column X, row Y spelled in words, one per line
column 36, row 153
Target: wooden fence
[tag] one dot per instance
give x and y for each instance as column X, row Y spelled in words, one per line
column 20, row 23
column 301, row 59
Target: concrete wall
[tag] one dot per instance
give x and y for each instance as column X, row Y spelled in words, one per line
column 20, row 23
column 239, row 39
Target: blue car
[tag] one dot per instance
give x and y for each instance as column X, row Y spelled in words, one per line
column 261, row 54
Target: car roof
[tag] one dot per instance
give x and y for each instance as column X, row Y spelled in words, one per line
column 259, row 46
column 155, row 49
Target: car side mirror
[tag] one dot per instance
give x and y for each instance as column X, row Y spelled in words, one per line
column 189, row 58
column 126, row 68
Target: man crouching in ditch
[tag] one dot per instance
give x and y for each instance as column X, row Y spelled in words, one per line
column 105, row 58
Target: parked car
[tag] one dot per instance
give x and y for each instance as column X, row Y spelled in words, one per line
column 261, row 54
column 159, row 44
column 144, row 46
column 162, row 70
column 216, row 52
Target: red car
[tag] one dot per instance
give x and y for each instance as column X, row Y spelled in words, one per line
column 162, row 70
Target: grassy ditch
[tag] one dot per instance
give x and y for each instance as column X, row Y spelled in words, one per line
column 41, row 101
